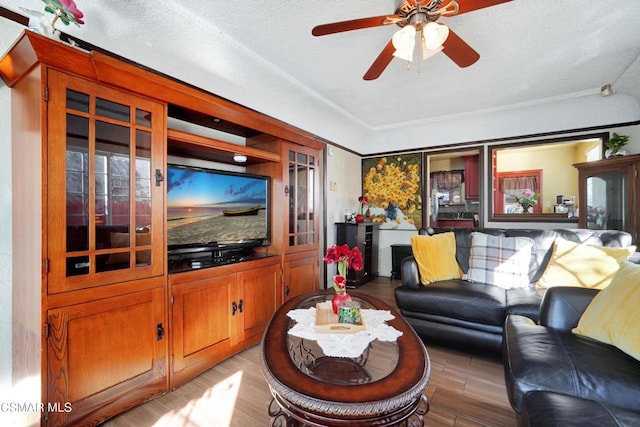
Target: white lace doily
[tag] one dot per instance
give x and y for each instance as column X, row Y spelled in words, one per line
column 344, row 345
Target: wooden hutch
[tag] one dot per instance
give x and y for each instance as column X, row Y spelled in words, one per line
column 609, row 194
column 106, row 326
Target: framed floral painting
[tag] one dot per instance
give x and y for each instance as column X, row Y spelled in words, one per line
column 393, row 187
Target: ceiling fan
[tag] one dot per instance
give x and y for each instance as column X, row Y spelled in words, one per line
column 416, row 17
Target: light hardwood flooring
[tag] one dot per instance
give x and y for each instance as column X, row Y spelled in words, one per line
column 464, row 390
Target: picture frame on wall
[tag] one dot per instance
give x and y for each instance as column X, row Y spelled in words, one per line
column 393, row 187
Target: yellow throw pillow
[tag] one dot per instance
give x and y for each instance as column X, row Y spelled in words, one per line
column 612, row 316
column 587, row 266
column 436, row 257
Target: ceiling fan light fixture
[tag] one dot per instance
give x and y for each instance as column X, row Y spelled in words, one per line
column 435, row 35
column 407, row 55
column 428, row 53
column 404, row 41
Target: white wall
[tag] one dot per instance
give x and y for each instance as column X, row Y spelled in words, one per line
column 344, row 172
column 577, row 113
column 5, row 238
column 8, row 32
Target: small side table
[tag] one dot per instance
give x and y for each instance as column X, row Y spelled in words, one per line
column 398, row 253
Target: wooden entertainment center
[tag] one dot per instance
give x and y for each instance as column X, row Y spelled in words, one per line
column 101, row 319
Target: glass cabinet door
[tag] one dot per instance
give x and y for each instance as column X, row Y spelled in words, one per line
column 606, row 201
column 103, row 189
column 609, row 194
column 302, row 169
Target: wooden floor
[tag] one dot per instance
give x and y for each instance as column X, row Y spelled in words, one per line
column 464, row 390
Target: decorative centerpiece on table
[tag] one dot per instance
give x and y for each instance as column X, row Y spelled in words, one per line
column 527, row 200
column 345, row 258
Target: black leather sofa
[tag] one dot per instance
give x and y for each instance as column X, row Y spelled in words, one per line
column 471, row 316
column 555, row 377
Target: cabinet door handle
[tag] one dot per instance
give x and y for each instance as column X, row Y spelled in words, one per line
column 159, row 177
column 286, row 290
column 234, row 308
column 240, row 305
column 159, row 331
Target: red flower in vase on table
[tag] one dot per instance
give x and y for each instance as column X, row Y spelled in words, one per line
column 339, row 283
column 344, row 258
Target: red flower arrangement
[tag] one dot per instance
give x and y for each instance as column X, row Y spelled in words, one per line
column 345, row 258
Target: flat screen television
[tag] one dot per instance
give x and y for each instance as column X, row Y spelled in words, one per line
column 213, row 208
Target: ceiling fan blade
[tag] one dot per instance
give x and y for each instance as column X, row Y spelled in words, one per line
column 459, row 51
column 465, row 6
column 355, row 24
column 380, row 63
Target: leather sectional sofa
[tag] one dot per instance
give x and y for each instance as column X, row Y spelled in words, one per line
column 553, row 376
column 471, row 316
column 556, row 377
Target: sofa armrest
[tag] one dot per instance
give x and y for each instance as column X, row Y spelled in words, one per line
column 562, row 307
column 409, row 272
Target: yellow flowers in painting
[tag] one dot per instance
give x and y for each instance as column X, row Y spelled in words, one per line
column 393, row 186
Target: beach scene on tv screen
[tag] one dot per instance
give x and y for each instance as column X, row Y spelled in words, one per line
column 205, row 207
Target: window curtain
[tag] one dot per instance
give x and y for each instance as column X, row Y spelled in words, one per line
column 447, row 180
column 510, row 185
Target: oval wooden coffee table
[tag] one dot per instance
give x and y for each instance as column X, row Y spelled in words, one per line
column 382, row 387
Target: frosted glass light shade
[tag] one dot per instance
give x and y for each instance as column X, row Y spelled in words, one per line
column 428, row 53
column 434, row 35
column 404, row 41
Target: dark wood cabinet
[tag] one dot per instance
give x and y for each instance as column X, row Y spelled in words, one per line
column 365, row 237
column 609, row 194
column 398, row 253
column 451, row 223
column 471, row 177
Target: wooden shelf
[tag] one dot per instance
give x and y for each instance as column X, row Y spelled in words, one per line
column 186, row 144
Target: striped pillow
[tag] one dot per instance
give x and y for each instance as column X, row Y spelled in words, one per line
column 500, row 261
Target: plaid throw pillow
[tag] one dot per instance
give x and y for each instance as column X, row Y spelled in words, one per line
column 500, row 261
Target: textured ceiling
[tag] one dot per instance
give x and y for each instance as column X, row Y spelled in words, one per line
column 532, row 52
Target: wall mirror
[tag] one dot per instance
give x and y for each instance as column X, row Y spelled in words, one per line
column 536, row 181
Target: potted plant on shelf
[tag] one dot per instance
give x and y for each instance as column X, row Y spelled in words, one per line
column 615, row 144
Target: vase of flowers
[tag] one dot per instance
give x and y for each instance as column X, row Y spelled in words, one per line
column 362, row 202
column 344, row 258
column 527, row 199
